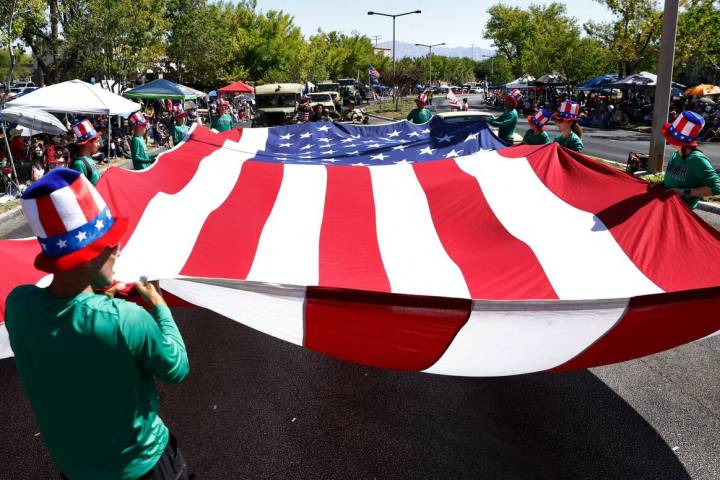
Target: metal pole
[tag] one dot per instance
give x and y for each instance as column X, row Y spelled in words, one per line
column 430, row 55
column 664, row 85
column 394, row 75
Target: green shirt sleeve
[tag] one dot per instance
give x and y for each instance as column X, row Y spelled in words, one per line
column 504, row 120
column 139, row 154
column 155, row 341
column 704, row 170
column 79, row 165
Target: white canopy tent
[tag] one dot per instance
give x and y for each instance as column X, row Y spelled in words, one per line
column 521, row 82
column 76, row 96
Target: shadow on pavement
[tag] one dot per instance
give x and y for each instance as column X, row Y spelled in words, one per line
column 257, row 407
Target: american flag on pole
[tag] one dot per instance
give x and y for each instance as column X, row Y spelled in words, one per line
column 373, row 72
column 416, row 247
column 452, row 99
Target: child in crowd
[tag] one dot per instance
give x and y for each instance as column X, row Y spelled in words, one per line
column 180, row 128
column 138, row 151
column 570, row 132
column 537, row 134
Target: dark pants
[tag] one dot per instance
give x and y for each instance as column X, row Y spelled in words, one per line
column 171, row 466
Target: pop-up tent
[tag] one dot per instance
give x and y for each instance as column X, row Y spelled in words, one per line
column 521, row 82
column 162, row 88
column 237, row 87
column 598, row 83
column 76, row 96
column 641, row 80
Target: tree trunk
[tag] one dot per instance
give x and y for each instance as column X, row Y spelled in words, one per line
column 54, row 40
column 10, row 50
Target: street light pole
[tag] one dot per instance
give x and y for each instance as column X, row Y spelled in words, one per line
column 393, row 43
column 664, row 85
column 430, row 47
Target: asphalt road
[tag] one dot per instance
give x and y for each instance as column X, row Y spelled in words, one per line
column 255, row 407
column 610, row 144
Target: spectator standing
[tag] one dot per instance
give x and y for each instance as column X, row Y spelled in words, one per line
column 304, row 110
column 420, row 114
column 465, row 106
column 180, row 127
column 223, row 121
column 88, row 361
column 689, row 172
column 141, row 159
column 508, row 120
column 86, row 141
column 570, row 132
column 537, row 134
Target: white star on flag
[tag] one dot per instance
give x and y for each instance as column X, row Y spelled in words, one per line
column 374, row 145
column 427, row 130
column 99, row 224
column 285, row 145
column 44, row 247
column 379, row 156
column 329, row 160
column 305, row 147
column 328, row 152
column 403, row 162
column 359, row 164
column 324, row 128
column 413, row 134
column 346, row 140
column 427, row 151
column 445, row 138
column 306, row 135
column 354, row 152
column 453, row 153
column 61, row 243
column 399, row 147
column 323, row 140
column 472, row 136
column 81, row 236
column 286, row 136
column 352, row 145
column 393, row 134
column 107, row 214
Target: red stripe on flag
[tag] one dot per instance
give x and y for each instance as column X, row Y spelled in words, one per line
column 349, row 250
column 84, row 199
column 495, row 264
column 229, row 238
column 127, row 193
column 17, row 267
column 653, row 323
column 385, row 330
column 49, row 217
column 649, row 225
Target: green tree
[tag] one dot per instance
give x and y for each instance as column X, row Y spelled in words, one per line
column 697, row 52
column 509, row 29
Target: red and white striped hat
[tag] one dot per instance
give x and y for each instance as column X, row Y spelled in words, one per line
column 70, row 219
column 221, row 102
column 568, row 110
column 684, row 130
column 540, row 119
column 84, row 132
column 515, row 95
column 179, row 111
column 137, row 118
column 421, row 99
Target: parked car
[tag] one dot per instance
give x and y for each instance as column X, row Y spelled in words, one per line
column 322, row 98
column 474, row 116
column 276, row 103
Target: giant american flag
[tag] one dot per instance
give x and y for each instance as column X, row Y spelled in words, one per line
column 417, row 247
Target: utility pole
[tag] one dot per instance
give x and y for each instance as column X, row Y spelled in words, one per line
column 430, row 47
column 664, row 85
column 472, row 51
column 376, row 38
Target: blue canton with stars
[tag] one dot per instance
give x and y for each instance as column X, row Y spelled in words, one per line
column 329, row 143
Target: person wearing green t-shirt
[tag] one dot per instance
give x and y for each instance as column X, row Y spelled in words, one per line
column 88, row 143
column 180, row 128
column 508, row 120
column 571, row 133
column 689, row 172
column 537, row 134
column 88, row 362
column 420, row 114
column 222, row 121
column 141, row 159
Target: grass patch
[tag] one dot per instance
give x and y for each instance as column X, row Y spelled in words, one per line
column 387, row 109
column 9, row 205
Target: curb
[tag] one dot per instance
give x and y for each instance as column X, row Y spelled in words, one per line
column 10, row 215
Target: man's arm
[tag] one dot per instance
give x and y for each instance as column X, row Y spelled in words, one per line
column 504, row 120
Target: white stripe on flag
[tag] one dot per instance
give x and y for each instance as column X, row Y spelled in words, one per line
column 99, row 200
column 5, row 350
column 579, row 255
column 289, row 248
column 505, row 339
column 68, row 208
column 30, row 209
column 277, row 311
column 414, row 258
column 177, row 219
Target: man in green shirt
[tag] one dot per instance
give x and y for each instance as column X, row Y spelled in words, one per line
column 88, row 361
column 87, row 141
column 180, row 128
column 689, row 172
column 138, row 151
column 420, row 114
column 537, row 135
column 222, row 121
column 507, row 121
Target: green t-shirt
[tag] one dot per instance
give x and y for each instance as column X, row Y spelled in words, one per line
column 532, row 138
column 692, row 171
column 88, row 365
column 138, row 151
column 93, row 175
column 178, row 133
column 223, row 122
column 419, row 115
column 506, row 124
column 573, row 142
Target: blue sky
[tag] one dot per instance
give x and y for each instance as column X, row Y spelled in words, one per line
column 457, row 22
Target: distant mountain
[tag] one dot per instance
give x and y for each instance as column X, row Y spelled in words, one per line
column 405, row 49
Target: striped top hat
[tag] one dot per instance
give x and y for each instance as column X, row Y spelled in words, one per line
column 515, row 95
column 684, row 131
column 137, row 118
column 221, row 102
column 84, row 132
column 421, row 99
column 540, row 119
column 71, row 220
column 568, row 110
column 179, row 111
